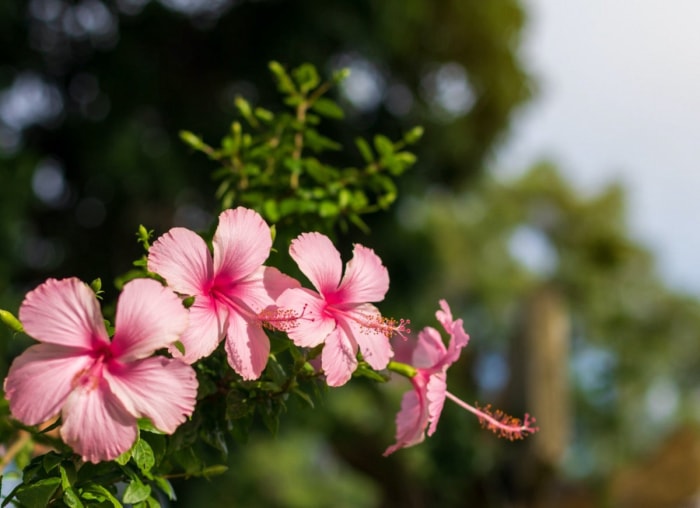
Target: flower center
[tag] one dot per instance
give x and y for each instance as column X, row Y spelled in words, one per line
column 90, row 377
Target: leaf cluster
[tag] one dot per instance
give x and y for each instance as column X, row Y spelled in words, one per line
column 275, row 162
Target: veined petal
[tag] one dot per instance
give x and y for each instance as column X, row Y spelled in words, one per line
column 430, row 350
column 262, row 288
column 64, row 312
column 435, row 395
column 339, row 358
column 365, row 280
column 149, row 317
column 411, row 421
column 247, row 347
column 40, row 380
column 242, row 243
column 207, row 326
column 374, row 344
column 159, row 388
column 96, row 425
column 312, row 324
column 319, row 260
column 182, row 258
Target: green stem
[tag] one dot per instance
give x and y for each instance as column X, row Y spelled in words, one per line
column 402, row 368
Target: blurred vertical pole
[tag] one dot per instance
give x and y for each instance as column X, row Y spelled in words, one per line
column 539, row 384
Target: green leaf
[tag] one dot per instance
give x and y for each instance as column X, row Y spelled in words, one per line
column 304, row 396
column 213, row 470
column 413, row 135
column 96, row 286
column 136, row 492
column 38, row 494
column 306, row 77
column 96, row 492
column 328, row 108
column 71, row 498
column 284, row 83
column 340, row 75
column 271, row 210
column 328, row 209
column 264, row 114
column 147, row 425
column 68, row 475
column 245, row 110
column 383, row 145
column 192, row 140
column 319, row 143
column 165, row 486
column 365, row 150
column 50, row 461
column 143, row 456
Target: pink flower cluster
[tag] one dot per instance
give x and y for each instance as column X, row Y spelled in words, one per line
column 101, row 386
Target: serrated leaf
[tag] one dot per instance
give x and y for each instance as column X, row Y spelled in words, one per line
column 136, row 492
column 328, row 108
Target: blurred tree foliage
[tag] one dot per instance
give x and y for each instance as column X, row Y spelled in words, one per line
column 92, row 96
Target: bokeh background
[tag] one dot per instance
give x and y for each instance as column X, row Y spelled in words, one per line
column 556, row 171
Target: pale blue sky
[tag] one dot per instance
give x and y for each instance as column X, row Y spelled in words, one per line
column 619, row 98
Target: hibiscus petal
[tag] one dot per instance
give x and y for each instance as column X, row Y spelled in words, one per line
column 319, row 260
column 261, row 288
column 149, row 317
column 365, row 280
column 411, row 421
column 339, row 358
column 312, row 325
column 436, row 390
column 96, row 425
column 40, row 380
column 247, row 347
column 182, row 258
column 64, row 312
column 373, row 342
column 207, row 326
column 159, row 388
column 430, row 350
column 458, row 337
column 242, row 243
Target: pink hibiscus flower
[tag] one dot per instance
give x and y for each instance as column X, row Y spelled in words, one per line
column 422, row 406
column 230, row 290
column 100, row 387
column 339, row 315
